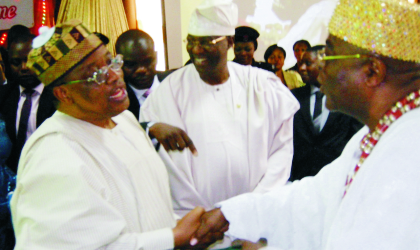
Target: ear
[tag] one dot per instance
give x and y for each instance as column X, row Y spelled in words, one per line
column 375, row 71
column 62, row 94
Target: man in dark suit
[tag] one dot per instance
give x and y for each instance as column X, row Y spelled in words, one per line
column 319, row 135
column 24, row 102
column 140, row 59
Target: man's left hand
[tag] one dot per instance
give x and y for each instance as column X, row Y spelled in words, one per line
column 172, row 138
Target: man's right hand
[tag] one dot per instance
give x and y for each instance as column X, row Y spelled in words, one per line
column 172, row 138
column 213, row 225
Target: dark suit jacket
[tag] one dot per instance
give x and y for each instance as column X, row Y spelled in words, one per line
column 313, row 151
column 134, row 102
column 9, row 99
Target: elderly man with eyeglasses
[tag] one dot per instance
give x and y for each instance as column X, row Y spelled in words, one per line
column 89, row 177
column 239, row 117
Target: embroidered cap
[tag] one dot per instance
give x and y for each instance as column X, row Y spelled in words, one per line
column 59, row 49
column 214, row 18
column 387, row 27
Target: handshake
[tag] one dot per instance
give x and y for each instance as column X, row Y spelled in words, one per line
column 198, row 229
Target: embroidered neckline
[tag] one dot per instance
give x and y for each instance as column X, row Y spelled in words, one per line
column 369, row 141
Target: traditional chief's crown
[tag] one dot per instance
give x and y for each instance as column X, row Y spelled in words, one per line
column 387, row 27
column 59, row 49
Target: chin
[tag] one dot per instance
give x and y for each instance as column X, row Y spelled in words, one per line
column 28, row 81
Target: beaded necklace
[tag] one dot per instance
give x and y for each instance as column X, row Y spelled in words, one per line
column 368, row 142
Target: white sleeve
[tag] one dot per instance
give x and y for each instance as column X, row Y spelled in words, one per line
column 279, row 160
column 281, row 107
column 60, row 202
column 293, row 216
column 289, row 217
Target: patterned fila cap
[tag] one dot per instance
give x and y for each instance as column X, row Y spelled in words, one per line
column 58, row 50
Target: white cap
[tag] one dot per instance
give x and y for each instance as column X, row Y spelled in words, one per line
column 214, row 18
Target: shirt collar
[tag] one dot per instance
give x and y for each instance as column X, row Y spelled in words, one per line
column 314, row 89
column 38, row 89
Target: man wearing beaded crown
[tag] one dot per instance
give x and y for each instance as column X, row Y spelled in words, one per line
column 240, row 118
column 368, row 197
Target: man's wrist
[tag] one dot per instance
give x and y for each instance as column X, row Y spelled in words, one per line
column 148, row 126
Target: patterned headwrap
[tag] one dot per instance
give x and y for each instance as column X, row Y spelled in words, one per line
column 58, row 50
column 387, row 27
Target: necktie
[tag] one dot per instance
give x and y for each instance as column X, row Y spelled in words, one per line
column 146, row 94
column 24, row 118
column 317, row 110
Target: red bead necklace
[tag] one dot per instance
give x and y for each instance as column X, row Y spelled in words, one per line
column 368, row 142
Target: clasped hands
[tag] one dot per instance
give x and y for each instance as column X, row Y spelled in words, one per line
column 199, row 229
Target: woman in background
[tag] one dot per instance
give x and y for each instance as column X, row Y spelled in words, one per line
column 275, row 55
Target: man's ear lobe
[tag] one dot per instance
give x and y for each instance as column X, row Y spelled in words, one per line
column 62, row 94
column 375, row 72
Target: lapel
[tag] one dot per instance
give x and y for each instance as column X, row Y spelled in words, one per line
column 330, row 122
column 134, row 106
column 304, row 97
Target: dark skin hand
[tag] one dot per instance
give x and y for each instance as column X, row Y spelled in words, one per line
column 213, row 226
column 172, row 138
column 186, row 228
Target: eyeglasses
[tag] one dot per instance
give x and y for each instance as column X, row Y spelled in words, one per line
column 205, row 44
column 322, row 56
column 101, row 75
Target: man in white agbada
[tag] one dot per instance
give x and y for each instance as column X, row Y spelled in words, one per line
column 89, row 177
column 369, row 197
column 240, row 118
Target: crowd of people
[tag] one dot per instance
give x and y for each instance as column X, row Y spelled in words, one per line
column 101, row 151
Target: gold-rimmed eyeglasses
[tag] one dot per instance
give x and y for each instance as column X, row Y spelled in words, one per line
column 323, row 57
column 204, row 43
column 101, row 75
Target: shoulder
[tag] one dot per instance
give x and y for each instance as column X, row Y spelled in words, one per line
column 177, row 76
column 127, row 118
column 304, row 91
column 161, row 75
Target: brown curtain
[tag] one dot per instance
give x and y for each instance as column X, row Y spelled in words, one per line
column 105, row 16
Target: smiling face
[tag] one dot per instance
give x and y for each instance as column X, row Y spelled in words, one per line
column 89, row 101
column 277, row 59
column 309, row 68
column 244, row 52
column 207, row 59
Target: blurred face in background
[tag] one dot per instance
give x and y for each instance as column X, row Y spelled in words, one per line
column 18, row 57
column 299, row 50
column 277, row 59
column 244, row 52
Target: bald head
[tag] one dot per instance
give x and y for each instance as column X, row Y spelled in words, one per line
column 138, row 50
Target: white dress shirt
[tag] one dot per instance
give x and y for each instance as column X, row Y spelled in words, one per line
column 325, row 112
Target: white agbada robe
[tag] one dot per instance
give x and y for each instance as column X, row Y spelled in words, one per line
column 379, row 211
column 80, row 186
column 242, row 129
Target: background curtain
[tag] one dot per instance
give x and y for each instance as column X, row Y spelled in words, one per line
column 105, row 16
